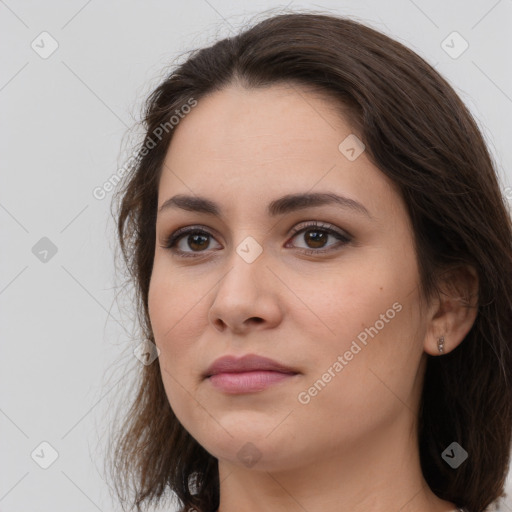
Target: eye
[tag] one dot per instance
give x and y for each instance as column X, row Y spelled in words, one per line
column 316, row 235
column 195, row 238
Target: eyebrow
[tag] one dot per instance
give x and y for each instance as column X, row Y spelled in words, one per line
column 286, row 204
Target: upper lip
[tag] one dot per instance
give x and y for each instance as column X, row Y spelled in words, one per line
column 249, row 362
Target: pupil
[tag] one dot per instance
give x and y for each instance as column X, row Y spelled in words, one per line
column 195, row 238
column 318, row 238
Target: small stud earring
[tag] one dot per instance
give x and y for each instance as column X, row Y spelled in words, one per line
column 440, row 344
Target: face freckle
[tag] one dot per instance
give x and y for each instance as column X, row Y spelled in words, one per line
column 243, row 149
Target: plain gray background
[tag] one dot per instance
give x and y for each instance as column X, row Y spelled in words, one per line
column 67, row 347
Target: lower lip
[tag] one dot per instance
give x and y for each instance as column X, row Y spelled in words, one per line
column 247, row 382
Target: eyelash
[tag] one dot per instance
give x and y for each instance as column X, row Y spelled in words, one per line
column 172, row 239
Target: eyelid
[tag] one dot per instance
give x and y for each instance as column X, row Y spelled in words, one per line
column 171, row 240
column 322, row 225
column 343, row 236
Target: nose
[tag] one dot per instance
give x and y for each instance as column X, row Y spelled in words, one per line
column 246, row 298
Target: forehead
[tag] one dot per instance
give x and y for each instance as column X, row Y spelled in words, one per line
column 252, row 144
column 244, row 123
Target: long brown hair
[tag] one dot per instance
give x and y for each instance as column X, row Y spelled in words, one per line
column 419, row 133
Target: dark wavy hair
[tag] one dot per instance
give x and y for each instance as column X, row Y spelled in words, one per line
column 420, row 134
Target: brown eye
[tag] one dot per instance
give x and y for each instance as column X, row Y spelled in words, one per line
column 316, row 237
column 197, row 241
column 194, row 242
column 188, row 241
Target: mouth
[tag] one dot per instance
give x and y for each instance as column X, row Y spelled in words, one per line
column 248, row 381
column 250, row 373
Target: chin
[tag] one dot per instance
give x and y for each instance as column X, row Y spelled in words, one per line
column 254, row 449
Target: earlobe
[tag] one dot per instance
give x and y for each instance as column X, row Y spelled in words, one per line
column 454, row 313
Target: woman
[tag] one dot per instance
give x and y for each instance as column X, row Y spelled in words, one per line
column 322, row 256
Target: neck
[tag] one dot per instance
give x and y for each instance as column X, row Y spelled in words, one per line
column 380, row 475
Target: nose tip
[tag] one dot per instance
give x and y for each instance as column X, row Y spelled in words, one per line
column 246, row 289
column 236, row 327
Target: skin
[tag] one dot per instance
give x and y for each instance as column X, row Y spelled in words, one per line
column 353, row 446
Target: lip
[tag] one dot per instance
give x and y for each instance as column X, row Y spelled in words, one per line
column 247, row 374
column 247, row 363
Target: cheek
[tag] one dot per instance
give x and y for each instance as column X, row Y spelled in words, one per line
column 340, row 302
column 174, row 321
column 173, row 299
column 367, row 312
column 177, row 318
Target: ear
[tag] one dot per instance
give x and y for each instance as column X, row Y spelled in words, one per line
column 453, row 313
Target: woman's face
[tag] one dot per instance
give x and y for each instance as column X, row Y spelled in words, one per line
column 338, row 303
